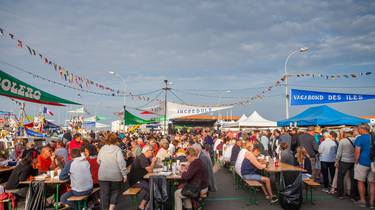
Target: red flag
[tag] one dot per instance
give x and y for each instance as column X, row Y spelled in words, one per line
column 147, row 112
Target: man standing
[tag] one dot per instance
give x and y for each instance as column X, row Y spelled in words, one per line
column 285, row 137
column 362, row 170
column 307, row 141
column 345, row 162
column 265, row 142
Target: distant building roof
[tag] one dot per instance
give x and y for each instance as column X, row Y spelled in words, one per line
column 368, row 117
column 207, row 117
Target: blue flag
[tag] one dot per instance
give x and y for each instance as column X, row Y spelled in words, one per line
column 307, row 97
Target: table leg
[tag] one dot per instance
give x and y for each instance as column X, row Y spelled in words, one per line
column 57, row 197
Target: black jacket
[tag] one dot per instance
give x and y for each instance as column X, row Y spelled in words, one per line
column 20, row 173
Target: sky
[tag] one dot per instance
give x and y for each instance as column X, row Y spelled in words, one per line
column 212, row 51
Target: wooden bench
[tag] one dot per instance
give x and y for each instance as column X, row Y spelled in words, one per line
column 132, row 193
column 83, row 198
column 253, row 185
column 309, row 186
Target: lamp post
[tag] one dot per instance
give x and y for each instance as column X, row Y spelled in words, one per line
column 301, row 50
column 124, row 83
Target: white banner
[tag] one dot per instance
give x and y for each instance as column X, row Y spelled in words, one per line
column 176, row 110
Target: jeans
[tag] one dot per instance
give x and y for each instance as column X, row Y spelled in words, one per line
column 109, row 193
column 325, row 168
column 343, row 168
column 65, row 196
column 145, row 186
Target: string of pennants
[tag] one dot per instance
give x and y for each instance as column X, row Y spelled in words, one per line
column 64, row 73
column 332, row 76
column 133, row 96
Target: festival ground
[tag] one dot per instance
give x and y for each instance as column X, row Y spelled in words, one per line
column 228, row 198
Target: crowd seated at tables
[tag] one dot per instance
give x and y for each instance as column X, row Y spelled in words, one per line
column 339, row 158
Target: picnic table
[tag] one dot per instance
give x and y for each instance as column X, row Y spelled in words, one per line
column 170, row 176
column 6, row 168
column 53, row 181
column 173, row 180
column 283, row 167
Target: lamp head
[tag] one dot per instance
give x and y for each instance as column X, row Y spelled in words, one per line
column 303, row 49
column 111, row 72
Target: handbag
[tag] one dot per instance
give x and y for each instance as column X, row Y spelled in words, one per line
column 191, row 190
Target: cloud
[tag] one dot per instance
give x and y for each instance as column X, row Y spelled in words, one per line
column 206, row 44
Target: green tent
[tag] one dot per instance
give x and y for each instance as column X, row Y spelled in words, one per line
column 14, row 88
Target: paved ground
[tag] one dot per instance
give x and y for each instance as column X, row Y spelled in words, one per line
column 227, row 198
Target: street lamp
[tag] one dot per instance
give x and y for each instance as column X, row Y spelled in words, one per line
column 301, row 50
column 124, row 83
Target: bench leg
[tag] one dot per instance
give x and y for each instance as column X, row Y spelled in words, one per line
column 57, row 197
column 252, row 198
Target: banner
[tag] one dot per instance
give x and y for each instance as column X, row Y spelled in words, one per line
column 12, row 87
column 306, row 97
column 35, row 134
column 176, row 110
column 131, row 119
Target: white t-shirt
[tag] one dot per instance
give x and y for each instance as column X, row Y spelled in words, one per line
column 227, row 152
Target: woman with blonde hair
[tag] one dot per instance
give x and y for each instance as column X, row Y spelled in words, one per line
column 303, row 161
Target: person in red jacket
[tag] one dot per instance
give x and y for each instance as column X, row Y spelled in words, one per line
column 91, row 153
column 76, row 143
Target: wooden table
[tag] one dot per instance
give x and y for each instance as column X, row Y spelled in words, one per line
column 173, row 177
column 7, row 168
column 283, row 167
column 56, row 182
column 173, row 181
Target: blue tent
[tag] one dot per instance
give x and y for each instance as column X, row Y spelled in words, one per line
column 323, row 116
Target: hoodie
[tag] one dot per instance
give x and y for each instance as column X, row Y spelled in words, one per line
column 78, row 170
column 112, row 166
column 74, row 145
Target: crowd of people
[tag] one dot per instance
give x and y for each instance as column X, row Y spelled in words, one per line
column 341, row 158
column 113, row 161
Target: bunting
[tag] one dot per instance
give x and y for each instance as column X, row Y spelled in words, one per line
column 63, row 72
column 333, row 76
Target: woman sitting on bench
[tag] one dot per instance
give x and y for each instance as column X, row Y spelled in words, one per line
column 249, row 171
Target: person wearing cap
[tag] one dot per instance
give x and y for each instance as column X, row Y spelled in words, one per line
column 345, row 163
column 362, row 170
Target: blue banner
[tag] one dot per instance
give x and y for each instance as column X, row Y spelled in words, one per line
column 306, row 97
column 35, row 134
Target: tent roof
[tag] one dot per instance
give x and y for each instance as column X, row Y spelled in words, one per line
column 323, row 116
column 242, row 118
column 255, row 120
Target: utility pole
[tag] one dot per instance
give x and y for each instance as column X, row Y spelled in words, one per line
column 166, row 89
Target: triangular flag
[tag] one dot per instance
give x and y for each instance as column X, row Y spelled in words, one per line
column 1, row 32
column 19, row 43
column 11, row 36
column 30, row 51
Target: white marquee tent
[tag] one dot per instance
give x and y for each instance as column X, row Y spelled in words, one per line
column 253, row 121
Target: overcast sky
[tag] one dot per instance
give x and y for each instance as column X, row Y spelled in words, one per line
column 202, row 47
